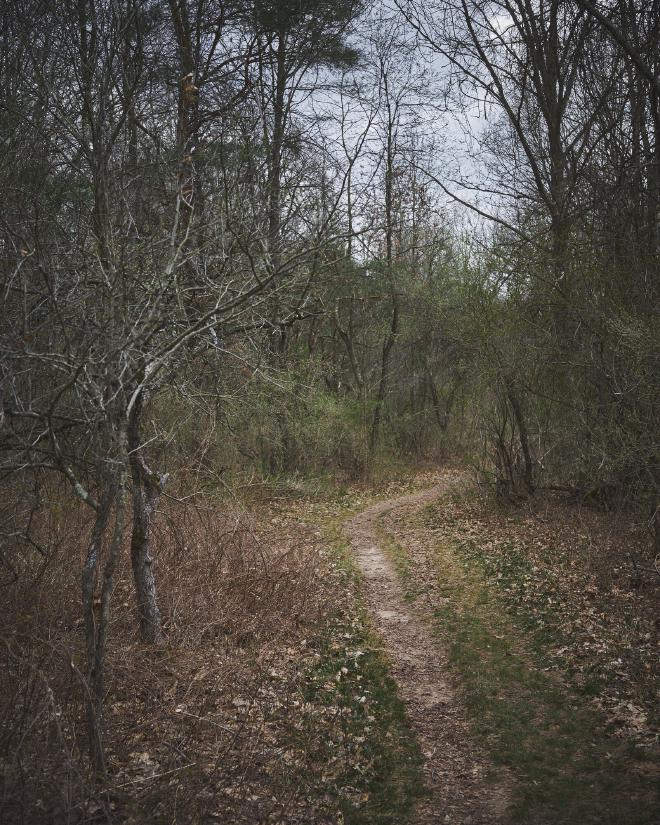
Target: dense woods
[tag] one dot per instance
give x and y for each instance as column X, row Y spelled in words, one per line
column 242, row 242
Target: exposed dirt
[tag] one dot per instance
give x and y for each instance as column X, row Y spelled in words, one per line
column 457, row 771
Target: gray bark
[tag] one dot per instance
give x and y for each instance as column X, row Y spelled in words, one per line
column 147, row 487
column 96, row 610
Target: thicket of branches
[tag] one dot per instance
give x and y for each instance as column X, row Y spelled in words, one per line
column 230, row 241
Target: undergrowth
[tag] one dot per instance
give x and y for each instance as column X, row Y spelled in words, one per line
column 269, row 701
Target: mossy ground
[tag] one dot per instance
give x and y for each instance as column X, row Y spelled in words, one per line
column 379, row 761
column 569, row 765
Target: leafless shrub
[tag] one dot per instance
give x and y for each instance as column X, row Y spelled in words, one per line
column 235, row 594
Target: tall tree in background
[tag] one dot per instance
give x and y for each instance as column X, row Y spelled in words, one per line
column 299, row 46
column 563, row 97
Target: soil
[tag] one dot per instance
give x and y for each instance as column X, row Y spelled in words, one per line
column 459, row 776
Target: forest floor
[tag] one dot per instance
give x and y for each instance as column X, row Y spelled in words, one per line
column 456, row 769
column 526, row 658
column 411, row 651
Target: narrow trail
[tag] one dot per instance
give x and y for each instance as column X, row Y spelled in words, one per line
column 455, row 768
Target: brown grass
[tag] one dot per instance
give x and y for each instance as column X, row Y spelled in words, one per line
column 195, row 730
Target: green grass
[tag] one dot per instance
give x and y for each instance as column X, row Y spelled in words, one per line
column 568, row 767
column 378, row 776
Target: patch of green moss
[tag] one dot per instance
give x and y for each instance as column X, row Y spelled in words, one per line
column 377, row 773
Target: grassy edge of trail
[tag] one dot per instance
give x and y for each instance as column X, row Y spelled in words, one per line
column 374, row 770
column 569, row 768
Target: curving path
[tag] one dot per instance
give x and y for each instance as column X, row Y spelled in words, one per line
column 455, row 767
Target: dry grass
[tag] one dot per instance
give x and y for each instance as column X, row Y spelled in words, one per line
column 194, row 730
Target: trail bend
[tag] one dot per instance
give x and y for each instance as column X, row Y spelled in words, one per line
column 455, row 767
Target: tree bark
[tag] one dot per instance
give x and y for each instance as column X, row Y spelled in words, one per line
column 384, row 372
column 147, row 488
column 519, row 418
column 96, row 611
column 390, row 339
column 187, row 121
column 94, row 662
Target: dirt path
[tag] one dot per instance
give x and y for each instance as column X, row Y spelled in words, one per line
column 455, row 768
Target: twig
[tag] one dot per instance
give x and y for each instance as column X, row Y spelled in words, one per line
column 155, row 776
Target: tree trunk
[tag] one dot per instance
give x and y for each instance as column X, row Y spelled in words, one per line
column 94, row 665
column 384, row 373
column 389, row 261
column 147, row 487
column 523, row 436
column 441, row 416
column 96, row 611
column 187, row 121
